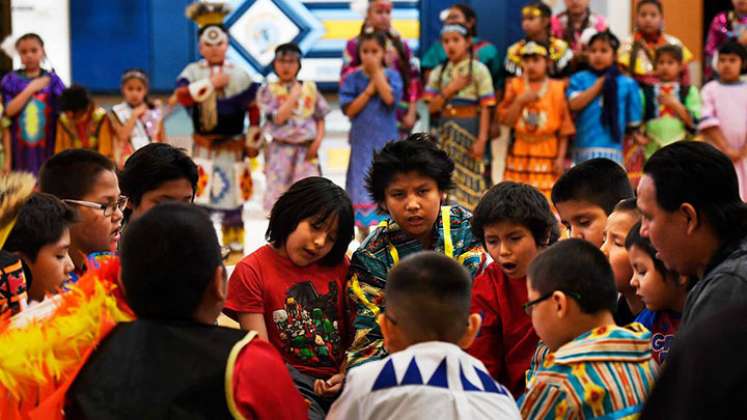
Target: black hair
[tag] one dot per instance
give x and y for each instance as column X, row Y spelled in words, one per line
column 404, row 67
column 164, row 278
column 429, row 295
column 30, row 36
column 318, row 199
column 569, row 34
column 469, row 15
column 376, row 36
column 545, row 12
column 671, row 50
column 656, row 3
column 520, row 204
column 470, row 55
column 699, row 174
column 418, row 153
column 608, row 37
column 733, row 47
column 288, row 47
column 41, row 221
column 200, row 31
column 634, row 238
column 575, row 266
column 627, row 205
column 153, row 165
column 75, row 98
column 601, row 182
column 72, row 173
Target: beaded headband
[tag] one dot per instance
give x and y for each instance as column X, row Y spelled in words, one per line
column 454, row 28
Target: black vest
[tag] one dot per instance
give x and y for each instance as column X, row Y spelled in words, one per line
column 155, row 370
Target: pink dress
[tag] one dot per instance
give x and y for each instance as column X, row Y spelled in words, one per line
column 725, row 106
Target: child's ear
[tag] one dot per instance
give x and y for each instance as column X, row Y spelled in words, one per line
column 386, row 331
column 473, row 327
column 219, row 283
column 560, row 303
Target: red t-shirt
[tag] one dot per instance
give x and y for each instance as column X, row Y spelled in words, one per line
column 506, row 341
column 262, row 386
column 303, row 308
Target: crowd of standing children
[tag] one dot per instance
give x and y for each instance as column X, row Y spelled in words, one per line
column 565, row 290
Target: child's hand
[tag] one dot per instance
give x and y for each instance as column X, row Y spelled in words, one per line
column 409, row 120
column 296, row 91
column 528, row 97
column 370, row 64
column 313, row 152
column 733, row 154
column 139, row 110
column 478, row 150
column 219, row 81
column 39, row 83
column 641, row 138
column 670, row 101
column 559, row 165
column 370, row 89
column 459, row 82
column 330, row 387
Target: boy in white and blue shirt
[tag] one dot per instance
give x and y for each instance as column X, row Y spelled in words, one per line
column 427, row 375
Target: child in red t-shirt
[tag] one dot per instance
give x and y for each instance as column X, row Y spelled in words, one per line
column 514, row 222
column 292, row 291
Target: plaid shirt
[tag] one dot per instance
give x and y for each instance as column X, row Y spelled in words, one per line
column 381, row 252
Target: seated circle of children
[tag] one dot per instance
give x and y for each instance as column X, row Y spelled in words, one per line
column 663, row 291
column 724, row 99
column 606, row 102
column 595, row 369
column 86, row 180
column 461, row 91
column 586, row 195
column 41, row 238
column 136, row 121
column 173, row 361
column 427, row 373
column 294, row 113
column 619, row 224
column 514, row 222
column 156, row 173
column 368, row 96
column 535, row 107
column 82, row 124
column 535, row 22
column 671, row 109
column 292, row 290
column 409, row 180
column 31, row 98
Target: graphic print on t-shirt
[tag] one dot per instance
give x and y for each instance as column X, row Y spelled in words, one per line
column 308, row 324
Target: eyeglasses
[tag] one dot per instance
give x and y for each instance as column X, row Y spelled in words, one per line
column 530, row 305
column 108, row 209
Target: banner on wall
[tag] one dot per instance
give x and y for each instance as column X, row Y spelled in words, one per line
column 49, row 19
column 321, row 28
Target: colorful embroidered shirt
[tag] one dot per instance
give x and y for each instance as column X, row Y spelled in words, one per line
column 572, row 35
column 431, row 380
column 663, row 125
column 380, row 252
column 663, row 326
column 303, row 308
column 560, row 53
column 604, row 373
column 301, row 126
column 546, row 118
column 639, row 53
column 479, row 91
column 93, row 131
column 484, row 51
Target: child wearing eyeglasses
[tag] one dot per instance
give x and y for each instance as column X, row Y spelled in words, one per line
column 86, row 180
column 595, row 368
column 427, row 374
column 514, row 222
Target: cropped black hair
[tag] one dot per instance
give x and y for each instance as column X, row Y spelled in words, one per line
column 153, row 165
column 656, row 3
column 628, row 205
column 544, row 9
column 699, row 174
column 41, row 221
column 74, row 99
column 469, row 15
column 169, row 258
column 734, row 47
column 376, row 36
column 520, row 204
column 429, row 294
column 318, row 199
column 576, row 267
column 634, row 238
column 417, row 153
column 675, row 51
column 608, row 37
column 601, row 182
column 72, row 173
column 30, row 36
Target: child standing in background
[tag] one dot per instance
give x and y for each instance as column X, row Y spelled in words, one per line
column 671, row 109
column 294, row 119
column 724, row 102
column 606, row 103
column 369, row 98
column 536, row 108
column 729, row 25
column 638, row 53
column 82, row 124
column 461, row 90
column 577, row 17
column 31, row 98
column 136, row 121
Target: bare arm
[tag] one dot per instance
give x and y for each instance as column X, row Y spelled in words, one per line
column 360, row 102
column 313, row 152
column 583, row 99
column 286, row 109
column 514, row 111
column 382, row 87
column 716, row 136
column 16, row 104
column 253, row 322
